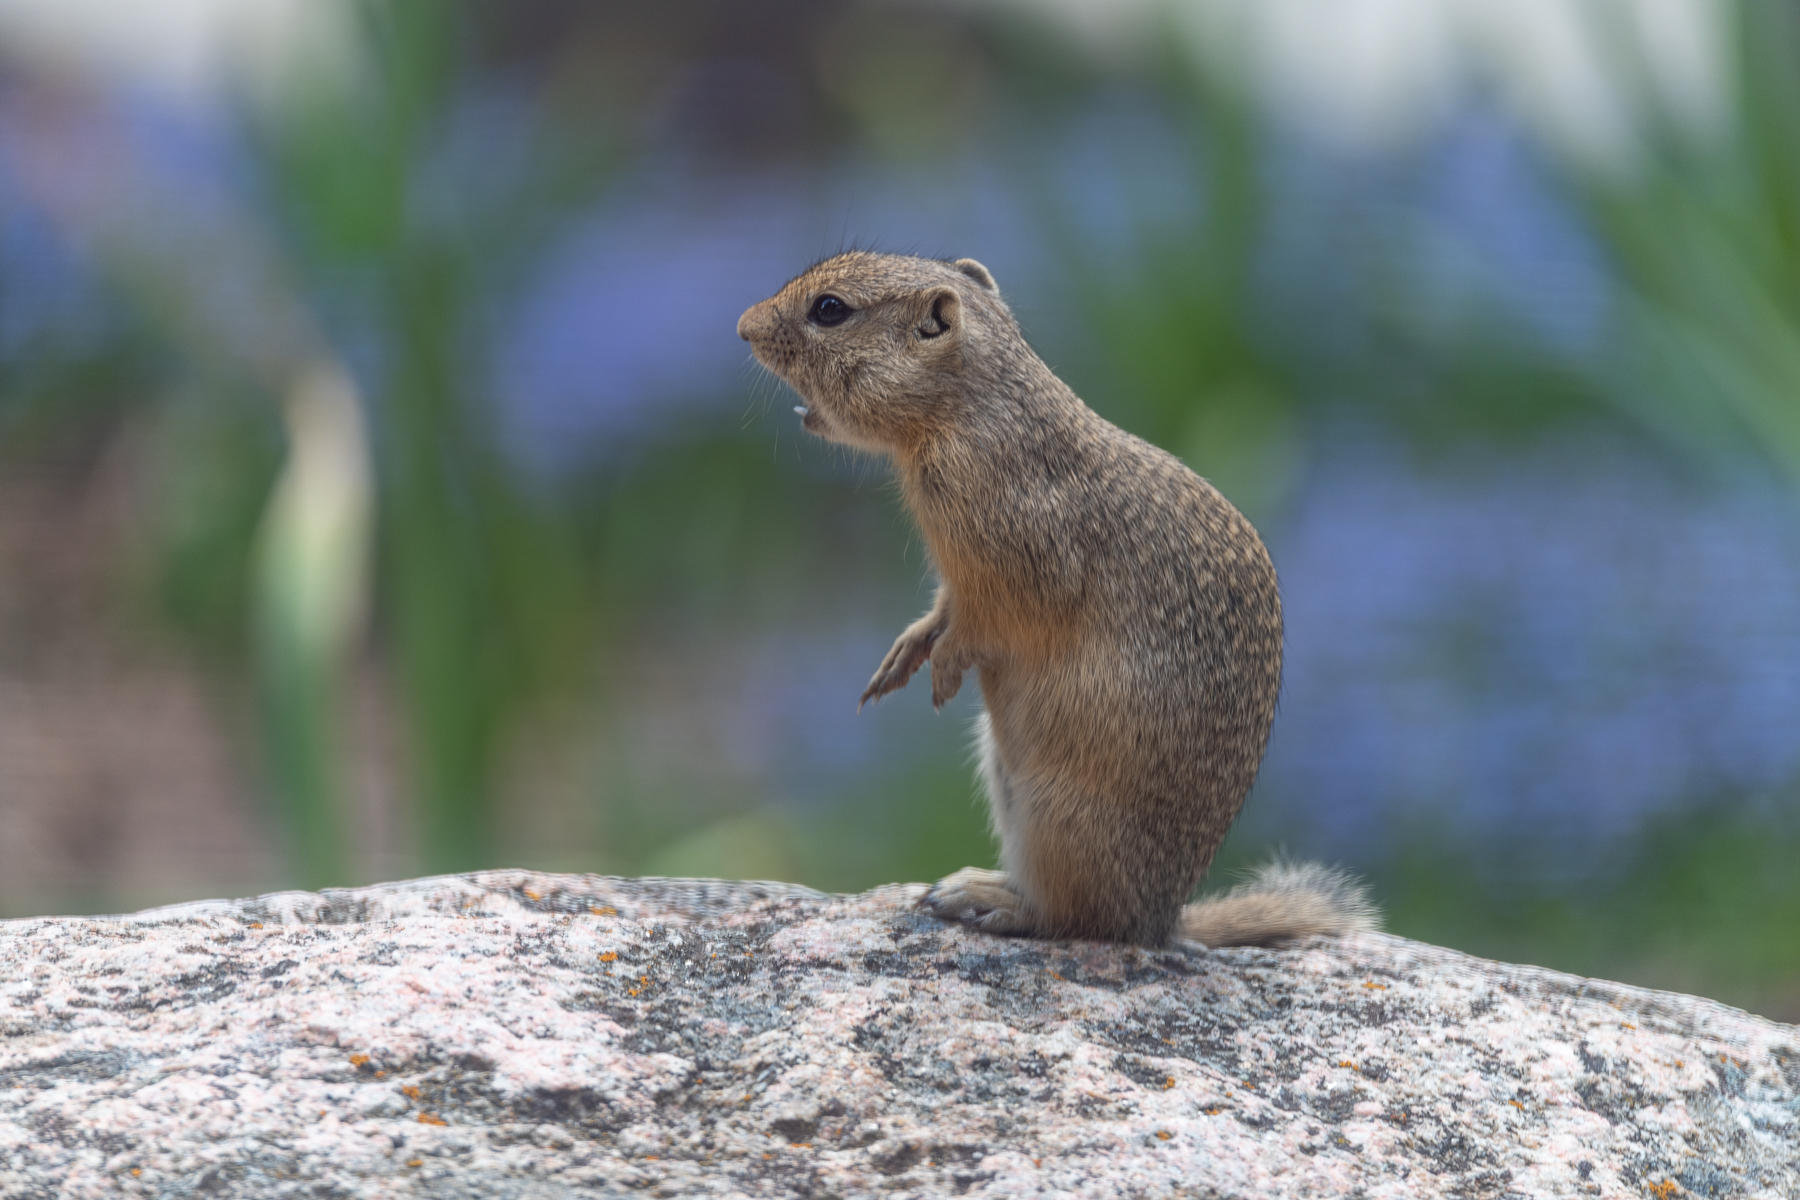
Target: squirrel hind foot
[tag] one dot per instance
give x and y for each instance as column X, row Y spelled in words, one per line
column 1282, row 902
column 981, row 899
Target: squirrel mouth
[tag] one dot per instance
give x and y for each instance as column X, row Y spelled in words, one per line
column 810, row 419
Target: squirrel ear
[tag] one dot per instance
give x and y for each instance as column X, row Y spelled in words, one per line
column 943, row 314
column 978, row 273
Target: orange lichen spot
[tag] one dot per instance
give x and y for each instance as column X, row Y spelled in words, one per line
column 1168, row 1083
column 1724, row 1058
column 1215, row 1110
column 380, row 1074
column 650, row 1158
column 137, row 1170
column 603, row 910
column 1516, row 1105
column 531, row 895
column 800, row 1145
column 644, row 979
column 1037, row 1162
column 633, row 991
column 747, row 1098
column 357, row 1060
column 1348, row 1064
column 1679, row 1064
column 1249, row 1083
column 1373, row 986
column 766, row 1154
column 256, row 924
column 415, row 1162
column 610, row 956
column 1665, row 1189
column 1626, row 1025
column 411, row 1090
column 431, row 1119
column 1163, row 1135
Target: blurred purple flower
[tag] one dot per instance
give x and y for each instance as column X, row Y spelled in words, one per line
column 1549, row 648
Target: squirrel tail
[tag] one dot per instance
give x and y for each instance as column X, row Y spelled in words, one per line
column 1282, row 901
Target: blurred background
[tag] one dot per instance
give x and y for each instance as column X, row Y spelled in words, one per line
column 383, row 489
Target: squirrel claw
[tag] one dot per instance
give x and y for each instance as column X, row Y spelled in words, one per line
column 904, row 658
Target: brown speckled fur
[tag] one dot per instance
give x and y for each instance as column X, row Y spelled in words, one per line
column 1122, row 615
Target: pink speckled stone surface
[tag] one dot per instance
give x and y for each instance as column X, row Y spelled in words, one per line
column 515, row 1035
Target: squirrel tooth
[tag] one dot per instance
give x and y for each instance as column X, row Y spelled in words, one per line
column 801, row 409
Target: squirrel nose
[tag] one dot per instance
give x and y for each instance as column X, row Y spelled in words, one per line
column 754, row 321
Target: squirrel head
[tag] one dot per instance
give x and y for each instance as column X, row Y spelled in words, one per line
column 878, row 345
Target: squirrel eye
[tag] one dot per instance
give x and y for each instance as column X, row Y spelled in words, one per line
column 828, row 310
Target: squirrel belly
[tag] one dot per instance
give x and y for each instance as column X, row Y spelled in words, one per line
column 1123, row 618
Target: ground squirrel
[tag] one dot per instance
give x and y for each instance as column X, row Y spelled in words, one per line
column 1123, row 616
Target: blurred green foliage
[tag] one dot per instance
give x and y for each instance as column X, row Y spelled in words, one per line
column 1706, row 240
column 1707, row 906
column 483, row 603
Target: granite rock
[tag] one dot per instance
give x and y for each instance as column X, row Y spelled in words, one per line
column 508, row 1034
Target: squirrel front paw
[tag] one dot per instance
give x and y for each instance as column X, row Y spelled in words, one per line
column 907, row 655
column 949, row 659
